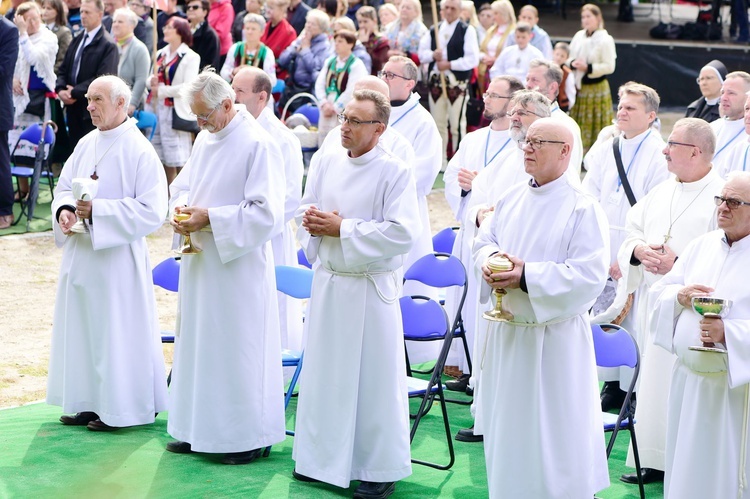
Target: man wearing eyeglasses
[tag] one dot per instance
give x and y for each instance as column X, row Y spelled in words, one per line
column 658, row 228
column 556, row 237
column 707, row 418
column 227, row 380
column 358, row 219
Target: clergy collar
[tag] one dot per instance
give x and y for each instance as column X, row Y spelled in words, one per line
column 712, row 102
column 239, row 116
column 366, row 157
column 119, row 128
column 701, row 182
column 397, row 103
column 739, row 245
column 636, row 137
column 535, row 188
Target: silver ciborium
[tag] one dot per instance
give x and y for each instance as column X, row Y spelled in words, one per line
column 84, row 189
column 499, row 263
column 716, row 308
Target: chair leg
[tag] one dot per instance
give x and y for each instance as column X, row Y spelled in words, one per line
column 637, row 458
column 408, row 364
column 448, row 435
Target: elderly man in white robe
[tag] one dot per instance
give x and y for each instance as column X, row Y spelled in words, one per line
column 640, row 150
column 556, row 238
column 707, row 430
column 227, row 391
column 659, row 227
column 357, row 220
column 253, row 88
column 106, row 362
column 730, row 129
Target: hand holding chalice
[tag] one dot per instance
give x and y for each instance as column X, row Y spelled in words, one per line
column 499, row 263
column 187, row 247
column 84, row 189
column 710, row 308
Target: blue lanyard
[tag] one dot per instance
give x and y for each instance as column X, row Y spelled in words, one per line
column 632, row 160
column 403, row 115
column 487, row 144
column 716, row 154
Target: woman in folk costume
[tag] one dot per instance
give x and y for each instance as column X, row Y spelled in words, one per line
column 376, row 44
column 279, row 34
column 494, row 41
column 592, row 57
column 251, row 52
column 335, row 83
column 33, row 77
column 404, row 34
column 176, row 65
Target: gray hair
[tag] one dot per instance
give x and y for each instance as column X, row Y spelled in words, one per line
column 382, row 106
column 344, row 23
column 212, row 88
column 410, row 69
column 553, row 73
column 320, row 17
column 443, row 2
column 254, row 18
column 514, row 84
column 130, row 16
column 700, row 133
column 650, row 98
column 117, row 88
column 531, row 99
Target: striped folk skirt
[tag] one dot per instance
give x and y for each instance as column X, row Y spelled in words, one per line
column 592, row 110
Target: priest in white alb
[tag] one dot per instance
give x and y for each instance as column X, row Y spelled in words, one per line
column 227, row 392
column 556, row 238
column 253, row 88
column 707, row 420
column 106, row 363
column 740, row 155
column 357, row 220
column 659, row 227
column 730, row 128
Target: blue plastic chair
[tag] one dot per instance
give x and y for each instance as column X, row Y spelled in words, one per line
column 424, row 318
column 167, row 275
column 311, row 112
column 302, row 259
column 615, row 347
column 279, row 87
column 23, row 166
column 443, row 241
column 146, row 120
column 297, row 283
column 441, row 270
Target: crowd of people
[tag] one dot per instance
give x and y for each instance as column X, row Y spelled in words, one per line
column 652, row 225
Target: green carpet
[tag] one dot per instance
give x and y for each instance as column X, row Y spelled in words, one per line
column 42, row 220
column 41, row 458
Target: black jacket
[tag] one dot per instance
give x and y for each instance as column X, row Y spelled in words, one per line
column 8, row 39
column 206, row 45
column 701, row 109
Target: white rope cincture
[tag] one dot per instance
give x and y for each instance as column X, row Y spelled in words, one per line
column 371, row 277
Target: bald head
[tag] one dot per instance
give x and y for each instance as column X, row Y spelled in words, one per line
column 373, row 83
column 547, row 150
column 735, row 221
column 252, row 87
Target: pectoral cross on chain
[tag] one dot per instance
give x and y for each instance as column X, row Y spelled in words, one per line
column 94, row 176
column 668, row 236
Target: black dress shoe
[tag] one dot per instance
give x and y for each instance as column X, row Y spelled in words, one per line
column 649, row 475
column 99, row 425
column 246, row 457
column 612, row 397
column 304, row 478
column 467, row 435
column 179, row 447
column 80, row 419
column 458, row 385
column 374, row 490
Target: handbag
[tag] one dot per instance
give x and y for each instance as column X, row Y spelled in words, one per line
column 184, row 125
column 35, row 106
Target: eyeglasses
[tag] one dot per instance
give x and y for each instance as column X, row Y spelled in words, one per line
column 354, row 123
column 672, row 143
column 492, row 95
column 732, row 204
column 387, row 75
column 521, row 113
column 704, row 78
column 205, row 117
column 536, row 144
column 194, row 7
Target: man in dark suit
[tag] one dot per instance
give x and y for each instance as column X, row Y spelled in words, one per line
column 8, row 39
column 92, row 53
column 296, row 14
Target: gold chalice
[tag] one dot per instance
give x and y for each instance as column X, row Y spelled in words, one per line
column 499, row 263
column 710, row 307
column 187, row 247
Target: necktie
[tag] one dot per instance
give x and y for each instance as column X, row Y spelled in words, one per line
column 77, row 60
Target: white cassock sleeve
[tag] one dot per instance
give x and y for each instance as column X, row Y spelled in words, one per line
column 121, row 221
column 310, row 243
column 64, row 196
column 426, row 163
column 453, row 191
column 738, row 351
column 663, row 295
column 244, row 227
column 294, row 171
column 368, row 241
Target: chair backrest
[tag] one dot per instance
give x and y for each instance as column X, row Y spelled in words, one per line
column 423, row 317
column 146, row 120
column 439, row 270
column 294, row 281
column 33, row 135
column 443, row 241
column 302, row 259
column 614, row 347
column 167, row 274
column 310, row 111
